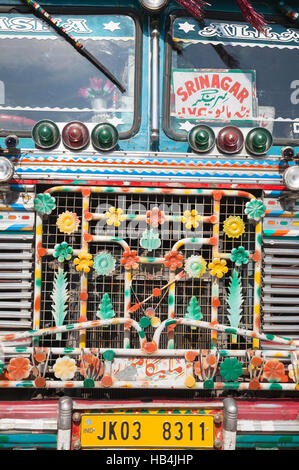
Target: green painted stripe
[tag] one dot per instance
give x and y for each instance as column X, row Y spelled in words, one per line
column 28, row 439
column 267, row 439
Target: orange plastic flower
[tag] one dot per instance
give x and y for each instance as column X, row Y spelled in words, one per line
column 130, row 259
column 274, row 371
column 92, row 362
column 18, row 368
column 173, row 260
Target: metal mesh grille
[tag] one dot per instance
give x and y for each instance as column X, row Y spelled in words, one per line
column 149, row 276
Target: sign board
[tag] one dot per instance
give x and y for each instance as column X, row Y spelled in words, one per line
column 216, row 95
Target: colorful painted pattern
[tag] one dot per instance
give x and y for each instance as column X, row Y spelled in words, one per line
column 174, row 261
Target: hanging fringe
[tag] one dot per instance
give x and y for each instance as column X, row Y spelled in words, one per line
column 255, row 19
column 195, row 7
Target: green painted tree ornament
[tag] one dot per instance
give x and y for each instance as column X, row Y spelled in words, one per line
column 105, row 310
column 193, row 311
column 59, row 297
column 235, row 301
column 150, row 240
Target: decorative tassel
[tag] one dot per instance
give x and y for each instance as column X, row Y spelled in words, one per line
column 255, row 19
column 195, row 7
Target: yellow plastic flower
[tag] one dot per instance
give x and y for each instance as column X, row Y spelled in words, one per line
column 114, row 216
column 68, row 222
column 83, row 262
column 233, row 227
column 191, row 219
column 65, row 368
column 218, row 267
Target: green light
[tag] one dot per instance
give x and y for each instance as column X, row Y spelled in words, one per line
column 104, row 136
column 258, row 141
column 46, row 134
column 201, row 138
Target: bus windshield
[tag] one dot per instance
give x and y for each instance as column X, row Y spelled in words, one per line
column 43, row 77
column 226, row 71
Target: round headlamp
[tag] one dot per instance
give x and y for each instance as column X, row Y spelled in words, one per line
column 153, row 5
column 291, row 178
column 6, row 169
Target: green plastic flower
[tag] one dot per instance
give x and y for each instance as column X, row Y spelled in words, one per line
column 63, row 252
column 104, row 263
column 239, row 256
column 231, row 369
column 195, row 266
column 150, row 240
column 44, row 203
column 255, row 209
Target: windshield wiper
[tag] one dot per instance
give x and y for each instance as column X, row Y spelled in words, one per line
column 40, row 12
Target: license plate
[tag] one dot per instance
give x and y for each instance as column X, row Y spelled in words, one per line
column 149, row 430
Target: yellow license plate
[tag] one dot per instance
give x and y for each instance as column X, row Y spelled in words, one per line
column 149, row 430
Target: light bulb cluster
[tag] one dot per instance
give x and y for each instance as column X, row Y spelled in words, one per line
column 230, row 140
column 74, row 135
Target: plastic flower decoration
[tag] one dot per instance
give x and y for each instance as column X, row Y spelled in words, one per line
column 274, row 371
column 293, row 371
column 97, row 88
column 150, row 240
column 218, row 267
column 239, row 256
column 44, row 203
column 90, row 365
column 18, row 368
column 173, row 260
column 63, row 252
column 130, row 259
column 191, row 219
column 65, row 368
column 104, row 263
column 155, row 217
column 255, row 209
column 114, row 216
column 233, row 227
column 68, row 222
column 83, row 262
column 231, row 369
column 195, row 266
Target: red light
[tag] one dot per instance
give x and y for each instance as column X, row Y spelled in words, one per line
column 230, row 140
column 75, row 135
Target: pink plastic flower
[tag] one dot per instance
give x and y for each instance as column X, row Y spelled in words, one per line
column 155, row 217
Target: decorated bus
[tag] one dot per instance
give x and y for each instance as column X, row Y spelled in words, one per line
column 149, row 224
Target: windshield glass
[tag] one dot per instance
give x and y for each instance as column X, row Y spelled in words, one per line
column 43, row 77
column 224, row 71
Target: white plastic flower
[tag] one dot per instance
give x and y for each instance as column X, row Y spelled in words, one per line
column 65, row 368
